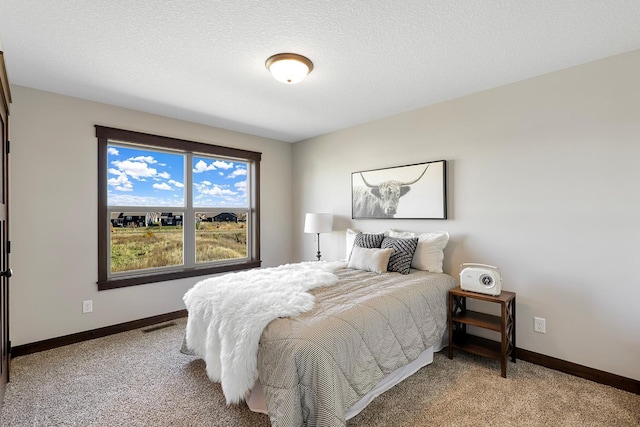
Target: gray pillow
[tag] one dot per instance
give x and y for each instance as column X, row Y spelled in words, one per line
column 403, row 250
column 368, row 240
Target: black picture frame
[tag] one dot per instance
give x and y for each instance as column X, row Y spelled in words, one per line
column 416, row 191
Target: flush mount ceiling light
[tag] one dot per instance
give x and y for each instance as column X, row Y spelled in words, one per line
column 289, row 68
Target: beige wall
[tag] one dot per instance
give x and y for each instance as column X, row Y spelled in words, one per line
column 53, row 184
column 542, row 177
column 543, row 182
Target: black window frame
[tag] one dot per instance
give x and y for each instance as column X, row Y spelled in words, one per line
column 105, row 134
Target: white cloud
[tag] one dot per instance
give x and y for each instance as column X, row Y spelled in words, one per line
column 164, row 175
column 120, row 181
column 239, row 171
column 176, row 183
column 146, row 159
column 223, row 165
column 216, row 191
column 133, row 200
column 202, row 166
column 113, row 151
column 202, row 186
column 162, row 186
column 136, row 170
column 242, row 185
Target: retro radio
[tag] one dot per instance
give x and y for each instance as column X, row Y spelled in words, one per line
column 481, row 278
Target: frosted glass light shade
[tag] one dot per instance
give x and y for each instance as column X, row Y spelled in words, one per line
column 318, row 223
column 289, row 68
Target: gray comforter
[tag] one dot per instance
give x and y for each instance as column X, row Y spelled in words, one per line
column 315, row 366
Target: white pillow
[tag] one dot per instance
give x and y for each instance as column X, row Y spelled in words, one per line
column 429, row 253
column 351, row 236
column 375, row 260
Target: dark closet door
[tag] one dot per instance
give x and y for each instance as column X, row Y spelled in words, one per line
column 5, row 271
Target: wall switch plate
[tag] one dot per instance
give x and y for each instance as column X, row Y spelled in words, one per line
column 87, row 306
column 539, row 325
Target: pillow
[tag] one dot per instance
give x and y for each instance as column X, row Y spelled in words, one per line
column 429, row 253
column 370, row 259
column 368, row 240
column 351, row 236
column 403, row 250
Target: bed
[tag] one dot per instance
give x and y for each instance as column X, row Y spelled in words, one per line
column 364, row 331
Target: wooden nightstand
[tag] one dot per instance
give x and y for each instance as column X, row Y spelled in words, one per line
column 459, row 317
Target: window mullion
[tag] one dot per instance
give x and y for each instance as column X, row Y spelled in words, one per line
column 189, row 234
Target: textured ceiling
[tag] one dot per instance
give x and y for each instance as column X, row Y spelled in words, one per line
column 203, row 60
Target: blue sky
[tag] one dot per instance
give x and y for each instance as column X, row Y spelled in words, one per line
column 151, row 178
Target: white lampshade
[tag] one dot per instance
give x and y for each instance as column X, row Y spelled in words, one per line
column 289, row 68
column 318, row 223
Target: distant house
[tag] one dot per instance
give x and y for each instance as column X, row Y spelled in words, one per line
column 225, row 217
column 117, row 219
column 129, row 219
column 168, row 218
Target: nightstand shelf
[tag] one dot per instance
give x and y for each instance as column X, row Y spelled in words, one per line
column 480, row 320
column 478, row 345
column 459, row 317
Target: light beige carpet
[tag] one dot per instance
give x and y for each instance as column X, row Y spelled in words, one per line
column 142, row 379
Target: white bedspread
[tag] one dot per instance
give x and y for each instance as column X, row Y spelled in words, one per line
column 228, row 313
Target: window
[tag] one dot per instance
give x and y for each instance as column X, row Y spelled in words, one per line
column 170, row 208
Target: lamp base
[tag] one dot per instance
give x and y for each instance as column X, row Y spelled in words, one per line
column 318, row 254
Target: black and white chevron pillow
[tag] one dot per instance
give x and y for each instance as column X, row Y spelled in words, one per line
column 403, row 250
column 368, row 240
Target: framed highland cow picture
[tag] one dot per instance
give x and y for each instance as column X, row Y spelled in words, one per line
column 416, row 191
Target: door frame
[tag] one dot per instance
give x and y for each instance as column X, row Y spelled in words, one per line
column 5, row 244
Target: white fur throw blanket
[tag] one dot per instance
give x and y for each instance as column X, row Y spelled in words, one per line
column 228, row 313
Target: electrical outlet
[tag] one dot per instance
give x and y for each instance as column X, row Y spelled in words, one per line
column 87, row 306
column 539, row 325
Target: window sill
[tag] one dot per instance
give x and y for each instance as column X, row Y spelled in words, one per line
column 122, row 282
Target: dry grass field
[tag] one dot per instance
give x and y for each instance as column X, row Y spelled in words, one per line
column 136, row 248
